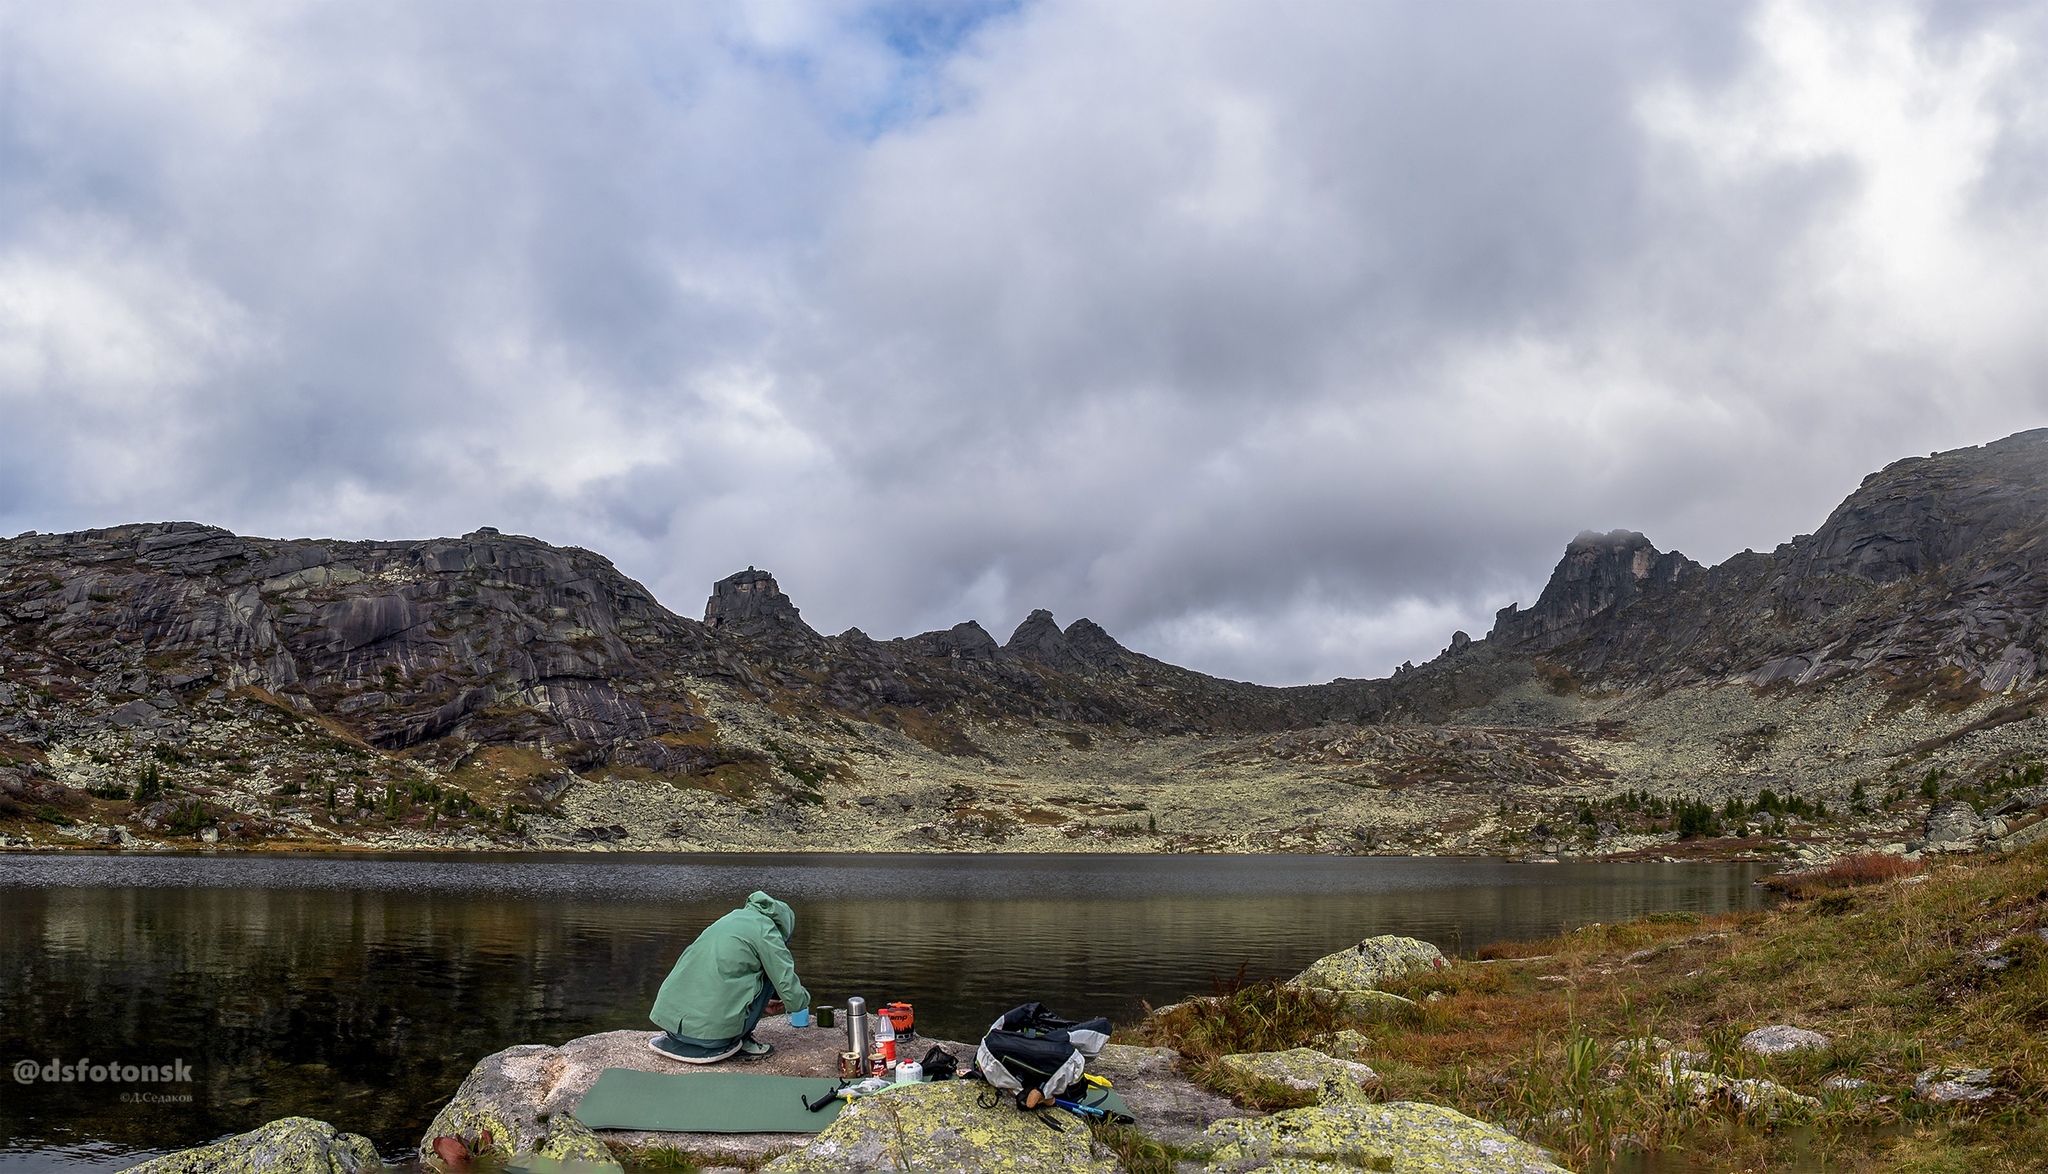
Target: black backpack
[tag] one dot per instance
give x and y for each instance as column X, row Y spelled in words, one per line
column 1032, row 1048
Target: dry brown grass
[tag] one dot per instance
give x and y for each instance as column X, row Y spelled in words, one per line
column 1847, row 873
column 1894, row 973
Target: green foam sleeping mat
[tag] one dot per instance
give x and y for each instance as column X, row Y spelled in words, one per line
column 707, row 1102
column 727, row 1102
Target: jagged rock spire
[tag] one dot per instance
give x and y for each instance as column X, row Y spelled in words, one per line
column 1598, row 573
column 750, row 602
column 1039, row 639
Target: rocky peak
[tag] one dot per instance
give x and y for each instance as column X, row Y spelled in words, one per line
column 1598, row 574
column 1096, row 648
column 749, row 603
column 1039, row 640
column 964, row 641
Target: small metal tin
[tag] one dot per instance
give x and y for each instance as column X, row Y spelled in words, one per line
column 851, row 1066
column 822, row 1016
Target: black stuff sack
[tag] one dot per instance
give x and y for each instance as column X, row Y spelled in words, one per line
column 939, row 1064
column 1031, row 1048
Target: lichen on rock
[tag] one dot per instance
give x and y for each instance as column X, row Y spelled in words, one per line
column 1343, row 1137
column 292, row 1145
column 1762, row 1098
column 1303, row 1070
column 1954, row 1085
column 1370, row 963
column 941, row 1127
column 1171, row 1108
column 1373, row 1006
column 504, row 1095
column 1780, row 1038
column 1345, row 1044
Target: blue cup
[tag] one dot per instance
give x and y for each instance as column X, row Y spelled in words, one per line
column 800, row 1018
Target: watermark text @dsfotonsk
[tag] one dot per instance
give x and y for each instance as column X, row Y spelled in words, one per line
column 90, row 1071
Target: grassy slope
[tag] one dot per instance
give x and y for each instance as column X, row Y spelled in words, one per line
column 1893, row 971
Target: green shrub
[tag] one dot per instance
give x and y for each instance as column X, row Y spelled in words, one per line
column 188, row 817
column 1695, row 819
column 1930, row 784
column 148, row 787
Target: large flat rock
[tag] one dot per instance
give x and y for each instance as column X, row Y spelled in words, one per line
column 1168, row 1106
column 527, row 1095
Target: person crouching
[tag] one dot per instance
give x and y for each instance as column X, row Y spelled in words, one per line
column 709, row 1005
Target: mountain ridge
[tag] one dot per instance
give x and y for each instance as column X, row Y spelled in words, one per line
column 527, row 676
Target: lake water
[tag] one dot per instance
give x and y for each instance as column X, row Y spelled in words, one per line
column 360, row 990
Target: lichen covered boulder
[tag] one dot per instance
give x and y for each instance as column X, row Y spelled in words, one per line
column 1343, row 1137
column 1761, row 1098
column 941, row 1127
column 292, row 1145
column 1947, row 1086
column 1303, row 1070
column 508, row 1096
column 1371, row 963
column 1345, row 1044
column 1373, row 1006
column 1780, row 1038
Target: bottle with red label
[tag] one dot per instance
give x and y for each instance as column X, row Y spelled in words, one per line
column 885, row 1038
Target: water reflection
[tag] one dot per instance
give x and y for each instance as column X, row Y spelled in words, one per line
column 361, row 990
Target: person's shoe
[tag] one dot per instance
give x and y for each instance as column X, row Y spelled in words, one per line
column 661, row 1045
column 754, row 1049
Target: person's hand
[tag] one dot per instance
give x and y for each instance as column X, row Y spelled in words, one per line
column 774, row 1007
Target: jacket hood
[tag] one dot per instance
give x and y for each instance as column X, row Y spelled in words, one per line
column 773, row 910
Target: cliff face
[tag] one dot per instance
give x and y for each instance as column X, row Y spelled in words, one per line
column 1931, row 578
column 501, row 638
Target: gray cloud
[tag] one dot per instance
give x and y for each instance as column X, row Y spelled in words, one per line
column 1279, row 339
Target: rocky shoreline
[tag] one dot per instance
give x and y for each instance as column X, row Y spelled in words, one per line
column 518, row 1104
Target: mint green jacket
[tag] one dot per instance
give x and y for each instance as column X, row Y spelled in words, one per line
column 707, row 995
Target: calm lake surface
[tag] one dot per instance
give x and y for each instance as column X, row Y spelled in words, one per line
column 360, row 990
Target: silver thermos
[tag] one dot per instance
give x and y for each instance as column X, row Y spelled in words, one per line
column 860, row 1034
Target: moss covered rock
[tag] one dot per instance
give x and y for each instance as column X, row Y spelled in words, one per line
column 941, row 1127
column 1344, row 1137
column 1371, row 963
column 293, row 1145
column 1304, row 1070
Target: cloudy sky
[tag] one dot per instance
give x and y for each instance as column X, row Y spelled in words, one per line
column 1280, row 338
